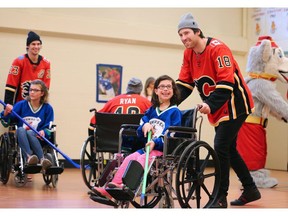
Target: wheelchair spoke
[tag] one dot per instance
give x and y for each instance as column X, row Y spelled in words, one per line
column 205, row 162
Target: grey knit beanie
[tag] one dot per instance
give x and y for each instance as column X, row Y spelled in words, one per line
column 134, row 86
column 187, row 21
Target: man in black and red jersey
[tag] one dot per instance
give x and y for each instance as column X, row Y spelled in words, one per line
column 26, row 68
column 130, row 103
column 209, row 65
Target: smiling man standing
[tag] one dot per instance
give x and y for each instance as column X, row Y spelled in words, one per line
column 25, row 68
column 209, row 66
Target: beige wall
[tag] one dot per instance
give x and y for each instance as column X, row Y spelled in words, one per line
column 143, row 41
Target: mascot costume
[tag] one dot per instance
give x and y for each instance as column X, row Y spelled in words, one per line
column 266, row 64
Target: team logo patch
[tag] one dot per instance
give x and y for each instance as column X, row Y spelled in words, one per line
column 25, row 89
column 41, row 74
column 158, row 126
column 205, row 86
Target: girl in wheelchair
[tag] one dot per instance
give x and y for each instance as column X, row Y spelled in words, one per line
column 162, row 114
column 35, row 110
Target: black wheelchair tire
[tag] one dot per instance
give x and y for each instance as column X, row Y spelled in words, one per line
column 193, row 174
column 5, row 160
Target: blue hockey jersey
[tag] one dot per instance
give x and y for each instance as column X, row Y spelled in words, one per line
column 39, row 119
column 160, row 120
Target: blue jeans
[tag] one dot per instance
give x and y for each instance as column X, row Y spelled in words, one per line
column 29, row 143
column 225, row 147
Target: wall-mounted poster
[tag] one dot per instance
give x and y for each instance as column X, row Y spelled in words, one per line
column 108, row 81
column 272, row 22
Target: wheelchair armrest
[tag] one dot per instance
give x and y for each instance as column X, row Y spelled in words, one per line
column 181, row 129
column 129, row 126
column 128, row 129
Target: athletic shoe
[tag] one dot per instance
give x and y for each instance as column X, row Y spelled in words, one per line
column 248, row 195
column 102, row 192
column 114, row 185
column 221, row 202
column 46, row 164
column 32, row 160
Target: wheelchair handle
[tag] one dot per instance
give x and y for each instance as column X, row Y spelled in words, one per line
column 46, row 140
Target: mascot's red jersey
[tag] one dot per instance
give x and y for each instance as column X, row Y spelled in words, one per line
column 219, row 81
column 21, row 73
column 124, row 104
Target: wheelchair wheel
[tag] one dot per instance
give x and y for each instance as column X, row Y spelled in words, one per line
column 20, row 178
column 88, row 163
column 197, row 176
column 152, row 199
column 54, row 177
column 179, row 149
column 5, row 160
column 156, row 195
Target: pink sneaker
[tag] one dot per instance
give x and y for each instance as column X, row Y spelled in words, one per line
column 102, row 192
column 114, row 185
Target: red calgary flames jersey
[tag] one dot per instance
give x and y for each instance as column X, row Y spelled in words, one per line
column 22, row 72
column 217, row 77
column 125, row 104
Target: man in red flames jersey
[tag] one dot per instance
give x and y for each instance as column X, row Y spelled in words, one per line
column 209, row 65
column 26, row 68
column 130, row 103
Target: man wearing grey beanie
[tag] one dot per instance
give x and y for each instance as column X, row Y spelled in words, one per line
column 130, row 103
column 209, row 66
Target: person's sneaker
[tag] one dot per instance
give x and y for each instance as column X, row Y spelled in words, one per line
column 248, row 195
column 32, row 160
column 102, row 192
column 114, row 185
column 46, row 164
column 221, row 202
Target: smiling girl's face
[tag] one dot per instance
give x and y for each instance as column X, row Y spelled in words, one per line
column 164, row 91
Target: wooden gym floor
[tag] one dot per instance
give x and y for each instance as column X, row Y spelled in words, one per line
column 72, row 193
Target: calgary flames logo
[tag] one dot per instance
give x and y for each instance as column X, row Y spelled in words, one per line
column 205, row 86
column 25, row 89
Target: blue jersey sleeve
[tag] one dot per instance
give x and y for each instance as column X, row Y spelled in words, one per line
column 174, row 119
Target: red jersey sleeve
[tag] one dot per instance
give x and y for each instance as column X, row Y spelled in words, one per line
column 185, row 72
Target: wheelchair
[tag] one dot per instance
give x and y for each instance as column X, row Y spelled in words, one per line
column 188, row 171
column 12, row 161
column 99, row 149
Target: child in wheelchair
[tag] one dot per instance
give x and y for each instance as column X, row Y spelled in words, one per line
column 162, row 114
column 36, row 111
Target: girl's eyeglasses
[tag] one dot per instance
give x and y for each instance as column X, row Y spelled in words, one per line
column 162, row 87
column 34, row 90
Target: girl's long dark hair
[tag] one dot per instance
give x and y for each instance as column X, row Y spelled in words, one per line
column 176, row 96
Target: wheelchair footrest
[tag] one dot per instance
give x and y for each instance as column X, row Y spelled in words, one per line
column 122, row 194
column 102, row 200
column 32, row 169
column 54, row 170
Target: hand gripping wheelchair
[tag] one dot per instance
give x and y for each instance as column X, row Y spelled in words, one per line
column 188, row 171
column 11, row 159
